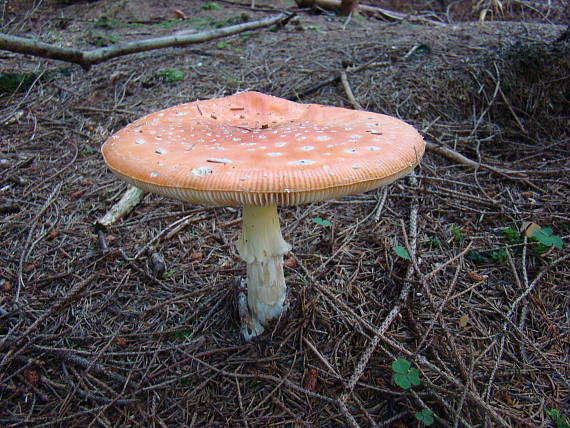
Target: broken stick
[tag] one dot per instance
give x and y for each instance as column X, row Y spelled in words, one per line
column 130, row 199
column 86, row 59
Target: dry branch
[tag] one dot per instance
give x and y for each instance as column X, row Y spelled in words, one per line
column 459, row 158
column 433, row 147
column 130, row 199
column 86, row 59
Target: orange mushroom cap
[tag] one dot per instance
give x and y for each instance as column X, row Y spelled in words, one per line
column 255, row 149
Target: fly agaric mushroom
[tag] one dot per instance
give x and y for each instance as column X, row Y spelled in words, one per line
column 260, row 152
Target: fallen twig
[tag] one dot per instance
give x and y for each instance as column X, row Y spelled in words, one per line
column 459, row 158
column 379, row 335
column 130, row 199
column 86, row 59
column 437, row 148
column 348, row 90
column 336, row 78
column 27, row 247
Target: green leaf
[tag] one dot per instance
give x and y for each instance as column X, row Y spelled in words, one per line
column 546, row 237
column 404, row 374
column 414, row 376
column 402, row 381
column 401, row 366
column 401, row 252
column 322, row 222
column 221, row 45
column 425, row 416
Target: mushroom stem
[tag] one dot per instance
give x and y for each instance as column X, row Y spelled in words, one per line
column 262, row 246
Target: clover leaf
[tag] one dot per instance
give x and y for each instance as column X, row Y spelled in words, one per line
column 425, row 416
column 404, row 374
column 546, row 237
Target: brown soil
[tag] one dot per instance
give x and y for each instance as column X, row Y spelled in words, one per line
column 91, row 336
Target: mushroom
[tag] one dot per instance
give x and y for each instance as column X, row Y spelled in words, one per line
column 261, row 152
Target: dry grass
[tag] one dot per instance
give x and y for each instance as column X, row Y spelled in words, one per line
column 90, row 336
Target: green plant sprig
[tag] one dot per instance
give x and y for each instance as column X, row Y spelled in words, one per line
column 404, row 375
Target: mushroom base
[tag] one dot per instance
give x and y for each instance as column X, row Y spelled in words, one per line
column 262, row 246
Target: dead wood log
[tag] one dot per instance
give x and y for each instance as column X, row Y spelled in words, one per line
column 86, row 59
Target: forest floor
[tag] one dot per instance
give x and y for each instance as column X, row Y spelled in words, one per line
column 91, row 335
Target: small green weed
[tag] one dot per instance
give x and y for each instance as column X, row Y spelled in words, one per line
column 425, row 416
column 477, row 257
column 168, row 274
column 106, row 23
column 321, row 222
column 457, row 235
column 207, row 23
column 560, row 421
column 404, row 374
column 433, row 242
column 232, row 20
column 211, row 5
column 182, row 335
column 221, row 45
column 543, row 238
column 401, row 252
column 246, row 35
column 512, row 237
column 170, row 76
column 499, row 255
column 167, row 24
column 101, row 40
column 88, row 151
